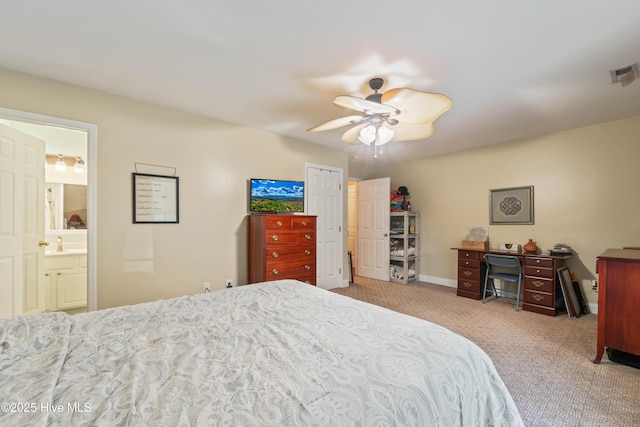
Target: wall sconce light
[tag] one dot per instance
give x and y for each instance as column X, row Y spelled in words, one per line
column 60, row 164
column 79, row 166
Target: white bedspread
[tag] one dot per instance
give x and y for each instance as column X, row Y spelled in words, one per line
column 279, row 353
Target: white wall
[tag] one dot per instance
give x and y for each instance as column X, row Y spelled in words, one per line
column 213, row 159
column 586, row 195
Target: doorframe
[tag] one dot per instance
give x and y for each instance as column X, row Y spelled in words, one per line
column 340, row 171
column 92, row 187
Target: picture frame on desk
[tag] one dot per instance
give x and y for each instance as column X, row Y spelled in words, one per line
column 511, row 205
column 570, row 297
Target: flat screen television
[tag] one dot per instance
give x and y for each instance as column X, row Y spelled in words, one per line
column 276, row 196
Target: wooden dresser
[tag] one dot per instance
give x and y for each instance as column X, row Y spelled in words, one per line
column 618, row 301
column 282, row 247
column 542, row 292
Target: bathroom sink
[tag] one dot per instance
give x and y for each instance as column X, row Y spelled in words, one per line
column 49, row 252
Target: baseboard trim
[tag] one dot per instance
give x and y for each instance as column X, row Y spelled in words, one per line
column 438, row 281
column 593, row 308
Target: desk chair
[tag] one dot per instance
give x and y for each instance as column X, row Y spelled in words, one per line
column 494, row 264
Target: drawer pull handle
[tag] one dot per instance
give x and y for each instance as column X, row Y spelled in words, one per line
column 537, row 271
column 307, row 252
column 307, row 236
column 537, row 283
column 307, row 267
column 304, row 222
column 467, row 273
column 274, row 238
column 466, row 255
column 274, row 254
column 538, row 297
column 538, row 261
column 466, row 284
column 279, row 223
column 274, row 271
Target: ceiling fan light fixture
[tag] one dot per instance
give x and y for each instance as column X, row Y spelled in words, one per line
column 385, row 135
column 367, row 134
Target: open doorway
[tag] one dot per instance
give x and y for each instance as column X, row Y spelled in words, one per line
column 70, row 207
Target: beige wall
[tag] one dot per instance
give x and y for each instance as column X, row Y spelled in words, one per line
column 586, row 195
column 213, row 159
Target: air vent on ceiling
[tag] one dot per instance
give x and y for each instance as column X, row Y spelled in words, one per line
column 625, row 75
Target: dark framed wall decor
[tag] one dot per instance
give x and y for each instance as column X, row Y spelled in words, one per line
column 570, row 297
column 155, row 199
column 511, row 205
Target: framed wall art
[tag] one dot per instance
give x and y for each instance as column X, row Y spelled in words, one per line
column 155, row 199
column 568, row 292
column 511, row 205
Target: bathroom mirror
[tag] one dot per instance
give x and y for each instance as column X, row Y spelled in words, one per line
column 66, row 207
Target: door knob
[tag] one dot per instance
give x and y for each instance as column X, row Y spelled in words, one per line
column 42, row 243
column 385, row 235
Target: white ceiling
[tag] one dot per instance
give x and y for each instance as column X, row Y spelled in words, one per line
column 513, row 68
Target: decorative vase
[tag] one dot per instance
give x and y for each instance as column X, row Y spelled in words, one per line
column 530, row 247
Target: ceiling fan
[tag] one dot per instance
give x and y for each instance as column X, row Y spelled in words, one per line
column 399, row 114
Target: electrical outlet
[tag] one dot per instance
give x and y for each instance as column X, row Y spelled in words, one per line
column 594, row 284
column 228, row 283
column 206, row 287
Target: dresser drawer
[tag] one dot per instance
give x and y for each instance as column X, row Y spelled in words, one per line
column 468, row 274
column 469, row 263
column 469, row 285
column 538, row 262
column 538, row 272
column 277, row 270
column 303, row 222
column 538, row 284
column 285, row 237
column 278, row 222
column 538, row 298
column 290, row 252
column 470, row 255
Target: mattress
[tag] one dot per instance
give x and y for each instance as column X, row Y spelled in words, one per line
column 277, row 353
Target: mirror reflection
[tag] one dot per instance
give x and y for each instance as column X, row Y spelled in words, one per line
column 66, row 206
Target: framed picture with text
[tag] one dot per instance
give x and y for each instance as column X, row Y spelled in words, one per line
column 155, row 199
column 511, row 205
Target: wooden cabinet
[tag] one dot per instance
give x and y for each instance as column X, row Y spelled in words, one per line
column 618, row 301
column 404, row 248
column 65, row 281
column 282, row 247
column 471, row 272
column 542, row 292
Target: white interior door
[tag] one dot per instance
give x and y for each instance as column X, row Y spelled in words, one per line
column 324, row 199
column 21, row 223
column 373, row 228
column 352, row 223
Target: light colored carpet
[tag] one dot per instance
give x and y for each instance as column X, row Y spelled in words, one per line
column 544, row 361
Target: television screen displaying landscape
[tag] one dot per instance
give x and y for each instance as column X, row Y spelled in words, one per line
column 269, row 195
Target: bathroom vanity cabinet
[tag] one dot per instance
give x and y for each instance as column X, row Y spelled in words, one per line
column 65, row 281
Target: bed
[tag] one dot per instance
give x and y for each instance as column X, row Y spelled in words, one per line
column 279, row 353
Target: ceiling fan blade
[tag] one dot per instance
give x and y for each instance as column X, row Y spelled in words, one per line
column 351, row 136
column 363, row 105
column 412, row 131
column 336, row 123
column 416, row 106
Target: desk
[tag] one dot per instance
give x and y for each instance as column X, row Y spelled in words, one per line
column 542, row 293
